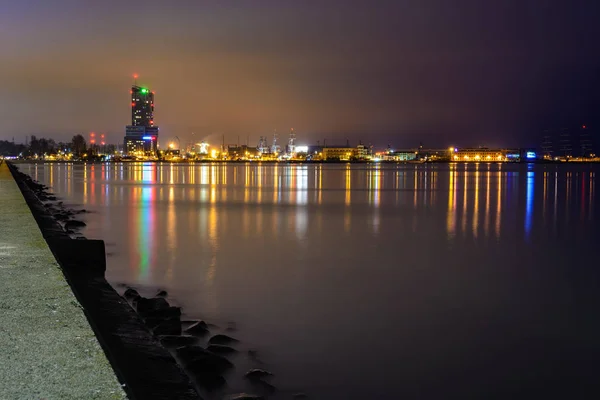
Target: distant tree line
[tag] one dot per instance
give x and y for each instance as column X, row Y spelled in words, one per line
column 41, row 147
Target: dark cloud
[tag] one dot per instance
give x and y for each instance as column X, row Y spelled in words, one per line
column 460, row 72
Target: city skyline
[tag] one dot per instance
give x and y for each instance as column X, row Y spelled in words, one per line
column 443, row 74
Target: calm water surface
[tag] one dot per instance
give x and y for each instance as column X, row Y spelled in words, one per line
column 367, row 281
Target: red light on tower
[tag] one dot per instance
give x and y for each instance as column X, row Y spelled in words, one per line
column 135, row 76
column 583, row 126
column 133, row 104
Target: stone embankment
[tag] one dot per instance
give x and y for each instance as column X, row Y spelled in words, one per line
column 154, row 353
column 47, row 348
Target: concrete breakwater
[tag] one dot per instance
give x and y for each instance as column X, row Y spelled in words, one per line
column 144, row 367
column 155, row 354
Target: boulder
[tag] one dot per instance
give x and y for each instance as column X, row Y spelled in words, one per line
column 221, row 349
column 131, row 294
column 145, row 305
column 244, row 396
column 73, row 224
column 200, row 361
column 222, row 339
column 169, row 312
column 257, row 374
column 161, row 293
column 171, row 326
column 174, row 341
column 198, row 329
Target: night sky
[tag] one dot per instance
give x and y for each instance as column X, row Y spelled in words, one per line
column 441, row 72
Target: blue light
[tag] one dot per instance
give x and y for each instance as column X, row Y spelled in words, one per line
column 530, row 154
column 147, row 138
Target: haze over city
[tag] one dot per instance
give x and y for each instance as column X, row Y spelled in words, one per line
column 403, row 72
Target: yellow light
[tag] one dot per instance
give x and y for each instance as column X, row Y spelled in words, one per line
column 489, row 157
column 466, row 157
column 456, row 157
column 477, row 157
column 213, row 153
column 171, row 145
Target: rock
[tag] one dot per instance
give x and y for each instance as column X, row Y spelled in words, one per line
column 200, row 361
column 171, row 326
column 162, row 293
column 82, row 211
column 245, row 396
column 61, row 217
column 174, row 341
column 222, row 339
column 263, row 386
column 198, row 329
column 145, row 305
column 131, row 294
column 221, row 349
column 74, row 224
column 257, row 374
column 187, row 354
column 169, row 312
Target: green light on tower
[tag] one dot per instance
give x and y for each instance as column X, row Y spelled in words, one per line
column 144, row 90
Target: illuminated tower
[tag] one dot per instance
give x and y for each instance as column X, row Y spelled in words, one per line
column 275, row 148
column 292, row 142
column 142, row 106
column 141, row 137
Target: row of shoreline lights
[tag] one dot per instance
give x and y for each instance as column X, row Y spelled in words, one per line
column 477, row 157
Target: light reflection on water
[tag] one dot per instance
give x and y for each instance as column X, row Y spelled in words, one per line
column 421, row 268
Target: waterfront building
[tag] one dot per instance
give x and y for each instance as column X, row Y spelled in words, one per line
column 342, row 153
column 141, row 136
column 400, row 155
column 485, row 154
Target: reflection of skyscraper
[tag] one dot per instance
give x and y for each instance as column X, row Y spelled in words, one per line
column 141, row 137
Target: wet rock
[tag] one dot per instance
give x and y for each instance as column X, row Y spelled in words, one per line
column 162, row 293
column 82, row 211
column 171, row 326
column 164, row 313
column 52, row 198
column 131, row 294
column 174, row 341
column 145, row 306
column 74, row 224
column 257, row 374
column 61, row 217
column 245, row 396
column 263, row 386
column 222, row 339
column 221, row 349
column 187, row 354
column 198, row 329
column 200, row 361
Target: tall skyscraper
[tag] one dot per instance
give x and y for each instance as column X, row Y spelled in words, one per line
column 142, row 106
column 141, row 137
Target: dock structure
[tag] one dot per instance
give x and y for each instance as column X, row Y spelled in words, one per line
column 48, row 349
